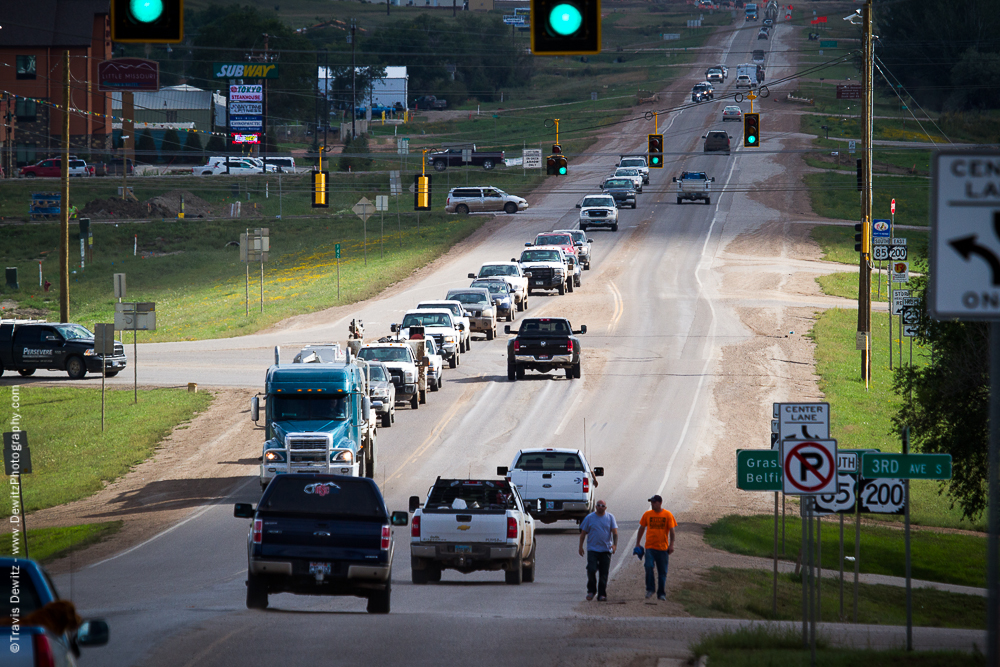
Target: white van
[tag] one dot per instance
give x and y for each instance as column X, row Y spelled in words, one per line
column 281, row 164
column 746, row 76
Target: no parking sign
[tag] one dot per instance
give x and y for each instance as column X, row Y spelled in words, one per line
column 809, row 467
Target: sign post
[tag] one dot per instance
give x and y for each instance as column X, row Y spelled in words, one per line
column 364, row 209
column 104, row 345
column 336, row 250
column 135, row 317
column 381, row 205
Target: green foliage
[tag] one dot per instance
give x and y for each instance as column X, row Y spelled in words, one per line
column 48, row 544
column 354, row 156
column 976, row 81
column 192, row 148
column 170, row 147
column 216, row 145
column 946, row 403
column 145, row 147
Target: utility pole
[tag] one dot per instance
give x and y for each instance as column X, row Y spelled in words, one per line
column 267, row 57
column 864, row 264
column 354, row 73
column 64, row 202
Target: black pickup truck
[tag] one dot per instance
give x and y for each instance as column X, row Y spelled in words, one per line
column 320, row 535
column 542, row 344
column 452, row 157
column 58, row 347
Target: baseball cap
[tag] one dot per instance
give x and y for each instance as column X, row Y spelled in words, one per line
column 639, row 552
column 656, row 499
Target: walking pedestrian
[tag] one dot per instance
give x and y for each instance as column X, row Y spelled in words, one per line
column 658, row 524
column 600, row 530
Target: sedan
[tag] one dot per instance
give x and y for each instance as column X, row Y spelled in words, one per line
column 762, row 34
column 732, row 113
column 502, row 297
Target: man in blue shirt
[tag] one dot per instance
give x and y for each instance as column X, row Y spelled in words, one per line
column 601, row 533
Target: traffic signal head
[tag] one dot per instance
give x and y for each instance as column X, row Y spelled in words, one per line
column 421, row 193
column 655, row 145
column 563, row 165
column 556, row 165
column 859, row 230
column 556, row 149
column 150, row 21
column 751, row 130
column 320, row 190
column 565, row 27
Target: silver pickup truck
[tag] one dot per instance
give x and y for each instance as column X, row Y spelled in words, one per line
column 470, row 525
column 694, row 186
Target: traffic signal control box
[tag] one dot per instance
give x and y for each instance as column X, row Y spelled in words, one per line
column 148, row 21
column 751, row 130
column 565, row 27
column 421, row 193
column 655, row 146
column 320, row 189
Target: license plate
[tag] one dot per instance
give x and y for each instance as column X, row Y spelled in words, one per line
column 463, row 549
column 319, row 568
column 550, row 504
column 539, row 282
column 545, row 356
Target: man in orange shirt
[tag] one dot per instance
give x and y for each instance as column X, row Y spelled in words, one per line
column 658, row 525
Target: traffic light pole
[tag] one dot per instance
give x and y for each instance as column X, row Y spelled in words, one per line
column 64, row 201
column 864, row 266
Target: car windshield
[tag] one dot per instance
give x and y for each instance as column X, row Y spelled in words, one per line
column 549, row 461
column 453, row 307
column 694, row 176
column 715, row 70
column 626, row 172
column 540, row 256
column 733, row 109
column 633, row 163
column 344, row 497
column 598, row 201
column 308, row 407
column 546, row 326
column 74, row 331
column 427, row 320
column 468, row 297
column 468, row 494
column 384, row 354
column 498, row 270
column 617, row 183
column 553, row 239
column 494, row 286
column 377, row 374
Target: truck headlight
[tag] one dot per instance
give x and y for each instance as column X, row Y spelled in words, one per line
column 343, row 456
column 89, row 353
column 409, row 376
column 449, row 339
column 487, row 312
column 273, row 456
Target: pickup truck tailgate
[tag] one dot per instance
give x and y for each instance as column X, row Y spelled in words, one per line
column 543, row 348
column 461, row 526
column 319, row 538
column 561, row 485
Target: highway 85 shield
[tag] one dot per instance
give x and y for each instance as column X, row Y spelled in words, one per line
column 809, row 467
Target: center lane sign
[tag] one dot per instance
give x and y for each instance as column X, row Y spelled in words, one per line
column 810, row 467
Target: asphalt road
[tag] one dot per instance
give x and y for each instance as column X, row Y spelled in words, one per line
column 656, row 329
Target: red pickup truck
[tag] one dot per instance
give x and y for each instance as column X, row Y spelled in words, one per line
column 52, row 168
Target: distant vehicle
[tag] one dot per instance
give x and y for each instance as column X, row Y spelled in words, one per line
column 114, row 167
column 479, row 304
column 598, row 211
column 746, row 75
column 438, row 324
column 705, row 88
column 751, row 11
column 452, row 157
column 716, row 142
column 52, row 168
column 314, row 534
column 510, row 272
column 429, row 102
column 27, row 347
column 694, row 186
column 623, row 190
column 487, row 199
column 757, row 56
column 732, row 112
column 458, row 315
column 762, row 33
column 500, row 292
column 561, row 476
column 545, row 268
column 234, row 166
column 382, row 390
column 768, row 23
column 543, row 344
column 636, row 162
column 564, row 240
column 281, row 164
column 399, row 360
column 629, row 172
column 715, row 75
column 582, row 243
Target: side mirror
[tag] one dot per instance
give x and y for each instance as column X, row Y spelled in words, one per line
column 527, row 244
column 512, row 259
column 461, row 326
column 472, row 275
column 366, row 409
column 92, row 633
column 414, row 503
column 394, row 328
column 704, row 136
column 254, row 408
column 377, row 405
column 675, row 179
column 506, row 328
column 399, row 518
column 527, row 274
column 713, row 179
column 579, row 206
column 590, row 240
column 598, row 472
column 467, row 314
column 501, row 471
column 243, row 511
column 583, row 328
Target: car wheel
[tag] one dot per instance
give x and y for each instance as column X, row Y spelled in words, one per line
column 569, row 373
column 577, row 370
column 423, row 397
column 576, row 282
column 562, row 288
column 614, row 227
column 487, row 164
column 514, row 575
column 491, row 333
column 520, row 372
column 440, row 165
column 511, row 372
column 453, row 362
column 583, row 228
column 440, row 382
column 434, row 574
column 679, row 200
column 569, row 284
column 528, row 571
column 708, row 201
column 25, row 372
column 633, row 205
column 386, row 420
column 256, row 593
column 510, row 208
column 462, row 209
column 29, row 175
column 435, row 384
column 111, row 374
column 378, row 602
column 414, row 402
column 418, row 576
column 525, row 302
column 76, row 368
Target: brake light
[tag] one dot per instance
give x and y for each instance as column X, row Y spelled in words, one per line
column 258, row 531
column 586, row 484
column 511, row 528
column 44, row 656
column 386, row 536
column 569, row 346
column 415, row 527
column 517, row 345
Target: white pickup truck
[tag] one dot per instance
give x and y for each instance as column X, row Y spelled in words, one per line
column 512, row 274
column 562, row 477
column 470, row 525
column 694, row 186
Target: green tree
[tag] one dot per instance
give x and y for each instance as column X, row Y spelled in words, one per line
column 170, row 147
column 949, row 409
column 216, row 145
column 145, row 148
column 353, row 158
column 192, row 148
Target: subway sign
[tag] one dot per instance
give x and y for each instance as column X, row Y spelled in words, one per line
column 244, row 71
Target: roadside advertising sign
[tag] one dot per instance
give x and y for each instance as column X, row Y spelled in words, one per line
column 244, row 71
column 253, row 93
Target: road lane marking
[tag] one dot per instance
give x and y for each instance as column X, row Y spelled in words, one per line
column 619, row 307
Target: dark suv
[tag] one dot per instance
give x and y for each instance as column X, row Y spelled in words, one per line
column 717, row 142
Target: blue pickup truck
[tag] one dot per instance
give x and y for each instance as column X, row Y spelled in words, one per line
column 320, row 535
column 27, row 588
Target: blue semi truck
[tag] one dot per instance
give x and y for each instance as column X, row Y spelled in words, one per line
column 317, row 418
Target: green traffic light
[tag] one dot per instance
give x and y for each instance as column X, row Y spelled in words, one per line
column 146, row 11
column 656, row 160
column 752, row 139
column 565, row 19
column 562, row 171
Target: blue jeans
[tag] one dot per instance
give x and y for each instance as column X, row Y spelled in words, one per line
column 659, row 559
